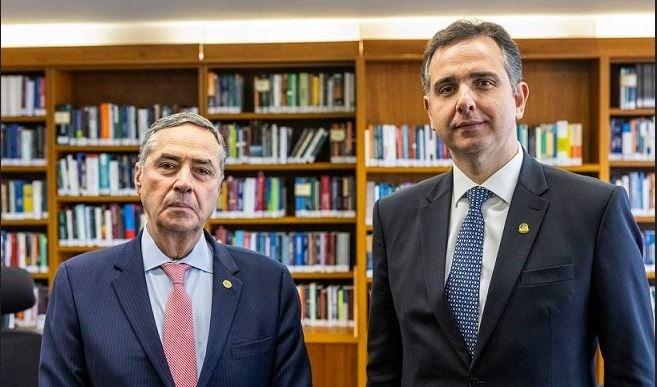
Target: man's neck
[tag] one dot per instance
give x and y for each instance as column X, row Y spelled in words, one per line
column 482, row 166
column 174, row 245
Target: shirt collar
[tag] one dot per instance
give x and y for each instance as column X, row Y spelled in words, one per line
column 200, row 257
column 502, row 183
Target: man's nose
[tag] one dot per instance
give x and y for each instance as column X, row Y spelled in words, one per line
column 183, row 181
column 465, row 103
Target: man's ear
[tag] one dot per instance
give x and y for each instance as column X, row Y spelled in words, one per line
column 521, row 95
column 137, row 177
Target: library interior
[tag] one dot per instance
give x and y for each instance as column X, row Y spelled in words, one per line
column 321, row 108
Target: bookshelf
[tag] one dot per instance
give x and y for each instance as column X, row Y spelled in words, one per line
column 387, row 91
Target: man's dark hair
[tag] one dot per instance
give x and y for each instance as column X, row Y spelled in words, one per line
column 466, row 29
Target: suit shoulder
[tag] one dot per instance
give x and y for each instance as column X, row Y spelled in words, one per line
column 577, row 186
column 250, row 260
column 97, row 258
column 414, row 192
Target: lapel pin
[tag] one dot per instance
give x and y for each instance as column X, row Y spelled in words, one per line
column 227, row 284
column 523, row 228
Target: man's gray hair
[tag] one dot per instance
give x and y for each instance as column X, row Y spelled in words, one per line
column 467, row 29
column 178, row 119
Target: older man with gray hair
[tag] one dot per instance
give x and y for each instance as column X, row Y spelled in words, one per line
column 173, row 307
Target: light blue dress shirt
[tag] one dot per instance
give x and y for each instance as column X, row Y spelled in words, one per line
column 198, row 284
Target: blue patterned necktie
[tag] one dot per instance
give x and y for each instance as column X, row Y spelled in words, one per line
column 462, row 289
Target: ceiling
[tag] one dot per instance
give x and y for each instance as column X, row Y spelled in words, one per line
column 122, row 11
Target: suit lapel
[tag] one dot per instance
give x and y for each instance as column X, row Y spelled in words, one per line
column 434, row 218
column 224, row 305
column 527, row 206
column 131, row 290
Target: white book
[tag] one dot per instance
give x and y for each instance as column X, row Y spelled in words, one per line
column 310, row 149
column 69, row 226
column 248, row 195
column 21, row 239
column 107, row 225
column 93, row 122
column 28, row 100
column 91, row 175
column 274, row 142
column 142, row 122
column 27, row 144
column 73, row 181
column 37, row 201
column 113, row 177
column 98, row 224
column 283, row 137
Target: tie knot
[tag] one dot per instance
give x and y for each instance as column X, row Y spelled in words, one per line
column 477, row 196
column 175, row 271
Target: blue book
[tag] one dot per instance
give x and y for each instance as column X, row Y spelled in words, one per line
column 18, row 195
column 298, row 248
column 129, row 221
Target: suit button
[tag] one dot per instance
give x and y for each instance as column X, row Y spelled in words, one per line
column 473, row 382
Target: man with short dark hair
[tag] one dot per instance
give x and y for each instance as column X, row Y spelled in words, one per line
column 174, row 307
column 504, row 271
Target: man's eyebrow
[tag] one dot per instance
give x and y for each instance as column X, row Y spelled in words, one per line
column 168, row 156
column 172, row 157
column 483, row 74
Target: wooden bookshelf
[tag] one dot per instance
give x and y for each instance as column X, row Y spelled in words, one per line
column 23, row 169
column 387, row 91
column 23, row 119
column 24, row 222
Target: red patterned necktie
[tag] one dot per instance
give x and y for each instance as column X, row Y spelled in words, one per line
column 179, row 341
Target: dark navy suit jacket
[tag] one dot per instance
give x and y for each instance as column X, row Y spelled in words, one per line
column 574, row 279
column 100, row 328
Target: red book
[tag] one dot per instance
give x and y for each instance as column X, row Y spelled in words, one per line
column 260, row 204
column 325, row 192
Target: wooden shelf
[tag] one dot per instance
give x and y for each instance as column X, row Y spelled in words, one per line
column 98, row 199
column 287, row 220
column 644, row 219
column 316, row 335
column 632, row 164
column 584, row 168
column 78, row 249
column 96, row 148
column 402, row 170
column 280, row 116
column 24, row 222
column 631, row 113
column 651, row 275
column 322, row 166
column 23, row 168
column 23, row 119
column 323, row 276
column 40, row 276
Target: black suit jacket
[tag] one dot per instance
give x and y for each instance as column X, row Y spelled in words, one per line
column 577, row 276
column 100, row 328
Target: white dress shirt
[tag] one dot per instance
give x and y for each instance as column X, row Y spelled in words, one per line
column 502, row 183
column 198, row 285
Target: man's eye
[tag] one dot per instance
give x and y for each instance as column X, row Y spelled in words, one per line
column 485, row 83
column 203, row 171
column 167, row 166
column 445, row 90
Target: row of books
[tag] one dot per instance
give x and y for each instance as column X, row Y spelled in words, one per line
column 27, row 250
column 649, row 249
column 35, row 317
column 251, row 197
column 93, row 174
column 640, row 187
column 300, row 251
column 23, row 199
column 637, row 86
column 302, row 92
column 632, row 138
column 326, row 305
column 324, row 196
column 377, row 190
column 93, row 225
column 108, row 123
column 558, row 143
column 225, row 93
column 271, row 144
column 406, row 145
column 23, row 95
column 21, row 145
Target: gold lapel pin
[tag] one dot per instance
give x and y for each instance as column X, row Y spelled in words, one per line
column 523, row 228
column 227, row 284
